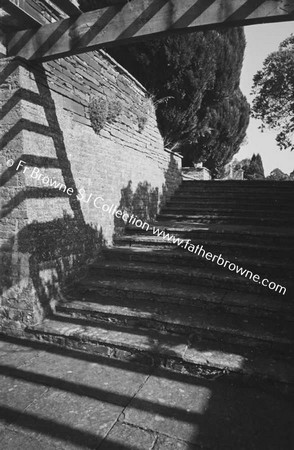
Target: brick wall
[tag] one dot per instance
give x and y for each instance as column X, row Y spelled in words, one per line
column 48, row 234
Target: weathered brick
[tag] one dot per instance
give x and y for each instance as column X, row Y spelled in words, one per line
column 47, row 235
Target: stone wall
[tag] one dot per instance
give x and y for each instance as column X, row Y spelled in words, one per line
column 196, row 173
column 49, row 233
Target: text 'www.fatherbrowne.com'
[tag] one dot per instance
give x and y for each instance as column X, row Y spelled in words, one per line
column 220, row 261
column 186, row 244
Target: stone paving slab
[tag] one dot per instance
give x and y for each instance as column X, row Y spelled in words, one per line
column 126, row 437
column 16, row 355
column 214, row 415
column 20, row 441
column 51, row 401
column 167, row 443
column 18, row 393
column 58, row 401
column 76, row 420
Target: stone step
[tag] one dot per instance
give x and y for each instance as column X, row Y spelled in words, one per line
column 117, row 291
column 194, row 276
column 282, row 236
column 264, row 200
column 256, row 214
column 265, row 194
column 194, row 323
column 155, row 349
column 254, row 194
column 236, row 204
column 227, row 219
column 238, row 185
column 226, row 247
column 209, row 190
column 181, row 257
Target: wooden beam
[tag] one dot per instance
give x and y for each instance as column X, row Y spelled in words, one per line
column 68, row 7
column 26, row 15
column 3, row 49
column 90, row 5
column 140, row 20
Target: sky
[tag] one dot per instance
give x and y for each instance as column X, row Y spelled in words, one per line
column 261, row 41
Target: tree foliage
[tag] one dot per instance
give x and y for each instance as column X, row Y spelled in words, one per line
column 278, row 175
column 205, row 115
column 274, row 93
column 253, row 168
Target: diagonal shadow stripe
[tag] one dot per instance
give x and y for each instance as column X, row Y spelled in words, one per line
column 21, row 94
column 52, row 39
column 21, row 42
column 193, row 13
column 96, row 28
column 57, row 136
column 25, row 124
column 102, row 395
column 96, row 358
column 31, row 160
column 8, row 70
column 31, row 193
column 63, row 26
column 49, row 427
column 147, row 15
column 244, row 11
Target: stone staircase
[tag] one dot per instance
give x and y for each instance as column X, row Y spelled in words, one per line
column 149, row 301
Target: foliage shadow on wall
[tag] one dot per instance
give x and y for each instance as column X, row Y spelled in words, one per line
column 40, row 256
column 146, row 201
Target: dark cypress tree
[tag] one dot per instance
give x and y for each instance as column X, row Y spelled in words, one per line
column 260, row 165
column 255, row 170
column 195, row 80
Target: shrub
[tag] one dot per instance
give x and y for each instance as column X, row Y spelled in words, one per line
column 103, row 111
column 114, row 110
column 98, row 110
column 142, row 120
column 143, row 113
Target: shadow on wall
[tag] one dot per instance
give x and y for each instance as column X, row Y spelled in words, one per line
column 37, row 257
column 145, row 202
column 173, row 178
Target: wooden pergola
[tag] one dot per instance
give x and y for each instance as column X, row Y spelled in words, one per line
column 72, row 27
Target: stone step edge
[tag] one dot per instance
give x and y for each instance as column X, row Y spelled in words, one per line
column 258, row 370
column 228, row 203
column 218, row 217
column 121, row 317
column 221, row 233
column 93, row 289
column 238, row 211
column 219, row 230
column 185, row 256
column 201, row 274
column 235, row 193
column 151, row 240
column 217, row 182
column 206, row 186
